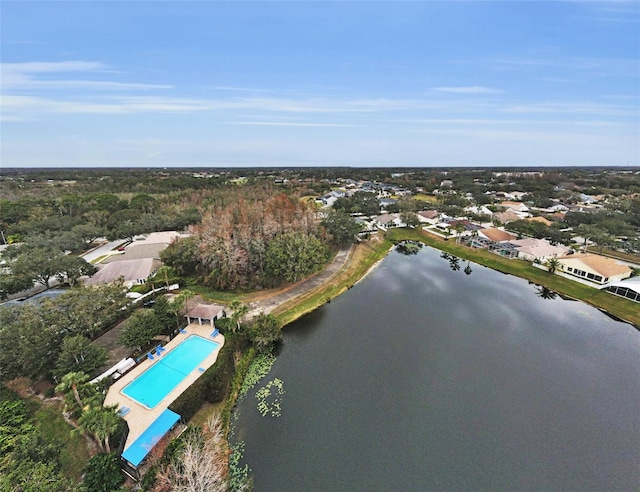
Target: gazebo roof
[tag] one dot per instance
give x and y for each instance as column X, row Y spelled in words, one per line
column 204, row 311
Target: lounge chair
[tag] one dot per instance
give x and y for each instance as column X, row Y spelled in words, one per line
column 151, row 357
column 215, row 332
column 122, row 411
column 182, row 330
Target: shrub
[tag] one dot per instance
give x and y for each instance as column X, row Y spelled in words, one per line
column 103, row 473
column 212, row 386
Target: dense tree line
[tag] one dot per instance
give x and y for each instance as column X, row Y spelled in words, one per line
column 255, row 240
column 52, row 337
column 28, row 462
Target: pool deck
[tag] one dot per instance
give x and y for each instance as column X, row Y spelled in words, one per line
column 139, row 417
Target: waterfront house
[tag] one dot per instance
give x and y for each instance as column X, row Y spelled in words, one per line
column 594, row 268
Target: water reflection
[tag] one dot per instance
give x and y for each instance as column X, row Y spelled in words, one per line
column 454, row 262
column 545, row 293
column 421, row 379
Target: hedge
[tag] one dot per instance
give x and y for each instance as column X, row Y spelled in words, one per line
column 212, row 386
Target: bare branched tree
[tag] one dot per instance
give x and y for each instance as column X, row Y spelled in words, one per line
column 202, row 465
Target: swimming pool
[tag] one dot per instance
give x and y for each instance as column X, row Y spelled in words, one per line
column 161, row 378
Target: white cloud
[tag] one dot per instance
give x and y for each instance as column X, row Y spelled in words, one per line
column 474, row 89
column 25, row 77
column 289, row 123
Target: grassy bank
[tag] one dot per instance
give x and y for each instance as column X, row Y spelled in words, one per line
column 364, row 256
column 617, row 306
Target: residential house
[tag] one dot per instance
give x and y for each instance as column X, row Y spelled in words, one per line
column 629, row 288
column 132, row 271
column 541, row 220
column 389, row 220
column 595, row 268
column 428, row 216
column 507, row 216
column 518, row 207
column 532, row 249
column 496, row 235
column 482, row 210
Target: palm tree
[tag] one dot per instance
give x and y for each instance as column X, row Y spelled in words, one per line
column 71, row 381
column 101, row 423
column 467, row 269
column 178, row 303
column 238, row 310
column 459, row 228
column 553, row 264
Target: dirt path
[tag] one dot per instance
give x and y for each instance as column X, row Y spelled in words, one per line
column 269, row 304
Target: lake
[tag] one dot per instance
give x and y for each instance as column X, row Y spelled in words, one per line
column 424, row 377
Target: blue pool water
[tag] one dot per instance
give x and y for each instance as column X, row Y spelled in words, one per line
column 166, row 373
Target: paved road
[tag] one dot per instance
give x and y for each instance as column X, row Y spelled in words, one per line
column 325, row 276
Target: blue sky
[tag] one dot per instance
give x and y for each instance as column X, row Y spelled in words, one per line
column 422, row 83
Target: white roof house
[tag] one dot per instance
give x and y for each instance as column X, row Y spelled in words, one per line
column 629, row 288
column 538, row 249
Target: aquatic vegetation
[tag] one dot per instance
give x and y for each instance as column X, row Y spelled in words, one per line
column 269, row 400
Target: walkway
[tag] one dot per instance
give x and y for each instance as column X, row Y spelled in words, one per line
column 304, row 287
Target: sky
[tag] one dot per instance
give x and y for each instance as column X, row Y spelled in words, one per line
column 334, row 83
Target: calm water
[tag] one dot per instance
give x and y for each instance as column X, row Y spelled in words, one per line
column 425, row 378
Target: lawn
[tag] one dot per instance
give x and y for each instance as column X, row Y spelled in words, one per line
column 425, row 198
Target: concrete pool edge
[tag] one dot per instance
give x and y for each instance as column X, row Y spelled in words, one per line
column 139, row 417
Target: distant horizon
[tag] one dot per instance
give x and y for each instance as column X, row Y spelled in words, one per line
column 207, row 84
column 239, row 168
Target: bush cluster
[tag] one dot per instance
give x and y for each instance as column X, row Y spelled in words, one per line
column 212, row 386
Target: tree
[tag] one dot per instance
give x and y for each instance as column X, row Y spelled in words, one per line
column 202, row 463
column 553, row 264
column 140, row 329
column 264, row 332
column 84, row 310
column 143, row 202
column 341, row 227
column 164, row 312
column 12, row 284
column 292, row 256
column 38, row 264
column 28, row 345
column 103, row 473
column 178, row 304
column 78, row 354
column 100, row 422
column 238, row 310
column 88, row 232
column 459, row 228
column 181, row 255
column 71, row 268
column 410, row 219
column 71, row 382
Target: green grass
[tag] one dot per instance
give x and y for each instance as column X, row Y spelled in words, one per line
column 425, row 198
column 74, row 455
column 365, row 255
column 617, row 306
column 222, row 297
